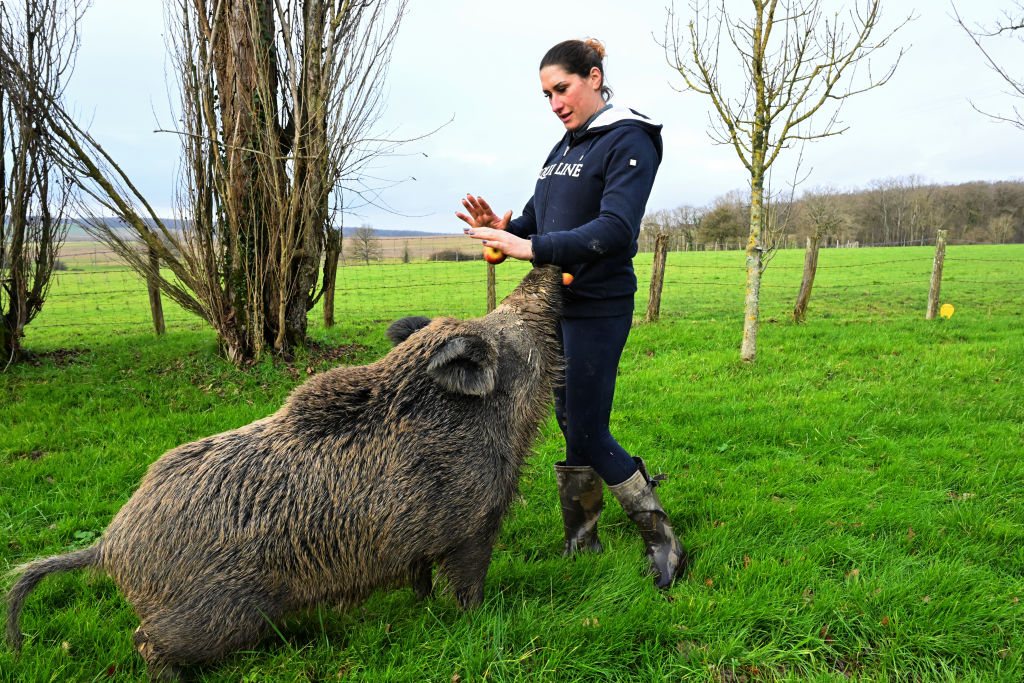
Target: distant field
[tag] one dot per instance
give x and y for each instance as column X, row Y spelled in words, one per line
column 852, row 285
column 854, row 500
column 84, row 253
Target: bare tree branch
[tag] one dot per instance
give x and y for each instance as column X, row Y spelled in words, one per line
column 38, row 41
column 1010, row 26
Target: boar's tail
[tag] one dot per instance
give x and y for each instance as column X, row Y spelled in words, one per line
column 31, row 574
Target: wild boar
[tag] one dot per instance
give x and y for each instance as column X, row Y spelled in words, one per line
column 367, row 477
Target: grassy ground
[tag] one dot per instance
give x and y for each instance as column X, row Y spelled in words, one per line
column 854, row 500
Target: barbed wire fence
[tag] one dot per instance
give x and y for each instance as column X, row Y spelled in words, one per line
column 92, row 294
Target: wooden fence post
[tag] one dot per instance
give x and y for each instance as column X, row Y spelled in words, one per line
column 936, row 282
column 152, row 284
column 810, row 268
column 491, row 295
column 657, row 278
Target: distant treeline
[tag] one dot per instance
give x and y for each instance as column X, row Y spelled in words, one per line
column 894, row 211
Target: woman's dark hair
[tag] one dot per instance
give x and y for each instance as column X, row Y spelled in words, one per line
column 579, row 57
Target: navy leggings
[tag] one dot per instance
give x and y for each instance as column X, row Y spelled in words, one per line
column 592, row 347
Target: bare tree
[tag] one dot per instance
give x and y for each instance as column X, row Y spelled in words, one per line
column 826, row 219
column 799, row 65
column 1001, row 228
column 653, row 225
column 279, row 102
column 38, row 38
column 903, row 206
column 688, row 221
column 680, row 224
column 824, row 212
column 1009, row 27
column 365, row 245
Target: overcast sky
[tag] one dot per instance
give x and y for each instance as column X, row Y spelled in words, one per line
column 475, row 63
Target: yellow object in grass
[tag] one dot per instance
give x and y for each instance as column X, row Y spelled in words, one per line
column 946, row 311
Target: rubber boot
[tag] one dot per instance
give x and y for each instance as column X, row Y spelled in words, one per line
column 665, row 553
column 580, row 491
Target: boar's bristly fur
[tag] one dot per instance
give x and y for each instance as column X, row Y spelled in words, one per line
column 367, row 477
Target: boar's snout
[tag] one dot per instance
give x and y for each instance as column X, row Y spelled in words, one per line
column 538, row 299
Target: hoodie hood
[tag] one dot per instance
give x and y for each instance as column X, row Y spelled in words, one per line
column 614, row 116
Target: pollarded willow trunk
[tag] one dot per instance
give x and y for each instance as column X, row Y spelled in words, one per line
column 305, row 207
column 245, row 66
column 278, row 101
column 14, row 274
column 29, row 245
column 283, row 92
column 269, row 180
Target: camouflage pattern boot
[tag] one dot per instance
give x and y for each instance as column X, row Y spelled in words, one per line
column 665, row 553
column 580, row 491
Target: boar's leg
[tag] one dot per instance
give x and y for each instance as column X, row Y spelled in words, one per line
column 421, row 578
column 212, row 625
column 466, row 568
column 165, row 673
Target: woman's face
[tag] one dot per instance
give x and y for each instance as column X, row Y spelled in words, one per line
column 573, row 99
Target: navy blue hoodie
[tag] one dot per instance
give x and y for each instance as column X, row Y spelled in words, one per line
column 586, row 209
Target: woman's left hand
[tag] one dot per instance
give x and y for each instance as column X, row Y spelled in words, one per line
column 513, row 246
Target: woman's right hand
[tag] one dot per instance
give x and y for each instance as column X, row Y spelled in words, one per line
column 481, row 215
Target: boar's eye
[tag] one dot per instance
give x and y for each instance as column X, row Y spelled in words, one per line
column 465, row 365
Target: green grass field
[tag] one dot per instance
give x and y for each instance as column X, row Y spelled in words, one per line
column 853, row 501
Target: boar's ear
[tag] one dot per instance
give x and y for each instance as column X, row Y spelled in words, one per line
column 465, row 364
column 400, row 330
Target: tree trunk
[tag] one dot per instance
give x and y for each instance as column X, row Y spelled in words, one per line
column 17, row 314
column 309, row 218
column 333, row 253
column 810, row 268
column 32, row 211
column 7, row 348
column 755, row 266
column 243, row 33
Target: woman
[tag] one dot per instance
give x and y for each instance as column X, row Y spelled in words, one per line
column 584, row 216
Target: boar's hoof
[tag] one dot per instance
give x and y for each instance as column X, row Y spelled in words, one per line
column 470, row 596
